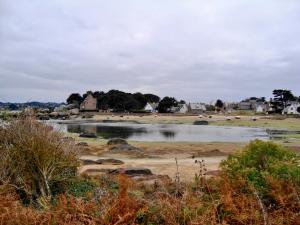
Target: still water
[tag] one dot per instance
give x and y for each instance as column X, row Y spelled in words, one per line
column 166, row 132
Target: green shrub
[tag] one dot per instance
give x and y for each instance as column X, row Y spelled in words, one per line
column 81, row 187
column 261, row 160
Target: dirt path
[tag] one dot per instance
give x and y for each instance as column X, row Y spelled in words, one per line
column 160, row 166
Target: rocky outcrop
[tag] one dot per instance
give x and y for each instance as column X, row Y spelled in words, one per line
column 117, row 141
column 124, row 147
column 201, row 122
column 82, row 144
column 102, row 162
column 132, row 171
column 88, row 135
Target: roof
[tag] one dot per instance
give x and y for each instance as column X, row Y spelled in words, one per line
column 197, row 106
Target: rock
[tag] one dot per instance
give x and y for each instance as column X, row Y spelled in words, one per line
column 43, row 117
column 66, row 139
column 116, row 141
column 102, row 162
column 72, row 106
column 201, row 122
column 89, row 162
column 109, row 162
column 124, row 147
column 83, row 144
column 132, row 171
column 53, row 114
column 88, row 135
column 237, row 117
column 87, row 116
column 60, row 108
column 63, row 114
column 74, row 111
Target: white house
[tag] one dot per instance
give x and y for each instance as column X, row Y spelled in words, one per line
column 151, row 107
column 261, row 108
column 197, row 108
column 181, row 108
column 292, row 109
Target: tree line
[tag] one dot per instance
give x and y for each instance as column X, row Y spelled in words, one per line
column 119, row 101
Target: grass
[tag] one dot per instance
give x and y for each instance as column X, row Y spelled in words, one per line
column 286, row 124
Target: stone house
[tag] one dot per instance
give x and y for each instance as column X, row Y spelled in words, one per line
column 89, row 103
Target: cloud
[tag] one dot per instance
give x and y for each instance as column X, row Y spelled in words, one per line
column 193, row 50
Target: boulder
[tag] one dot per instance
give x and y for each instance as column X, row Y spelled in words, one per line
column 102, row 162
column 82, row 144
column 53, row 114
column 89, row 162
column 132, row 171
column 88, row 135
column 74, row 111
column 43, row 117
column 66, row 139
column 117, row 141
column 124, row 147
column 201, row 122
column 109, row 162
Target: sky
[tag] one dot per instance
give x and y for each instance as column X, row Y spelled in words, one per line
column 196, row 50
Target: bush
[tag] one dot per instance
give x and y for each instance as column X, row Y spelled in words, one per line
column 34, row 158
column 261, row 160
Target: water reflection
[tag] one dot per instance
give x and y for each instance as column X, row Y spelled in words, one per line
column 106, row 132
column 169, row 132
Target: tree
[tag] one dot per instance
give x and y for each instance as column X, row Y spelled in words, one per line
column 281, row 98
column 166, row 104
column 219, row 104
column 75, row 98
column 152, row 98
column 140, row 98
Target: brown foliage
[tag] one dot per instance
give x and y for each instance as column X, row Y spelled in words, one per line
column 33, row 156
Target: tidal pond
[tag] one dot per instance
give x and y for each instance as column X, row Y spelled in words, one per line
column 166, row 132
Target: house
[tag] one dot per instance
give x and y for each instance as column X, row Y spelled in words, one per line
column 261, row 108
column 291, row 109
column 197, row 108
column 243, row 105
column 89, row 103
column 151, row 107
column 181, row 108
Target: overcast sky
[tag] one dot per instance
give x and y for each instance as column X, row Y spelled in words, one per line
column 191, row 49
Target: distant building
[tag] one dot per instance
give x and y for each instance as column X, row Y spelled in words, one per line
column 243, row 105
column 181, row 108
column 292, row 109
column 261, row 108
column 89, row 103
column 196, row 108
column 151, row 107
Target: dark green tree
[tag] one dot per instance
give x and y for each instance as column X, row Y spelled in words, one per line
column 75, row 98
column 166, row 104
column 219, row 104
column 281, row 99
column 152, row 98
column 140, row 98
